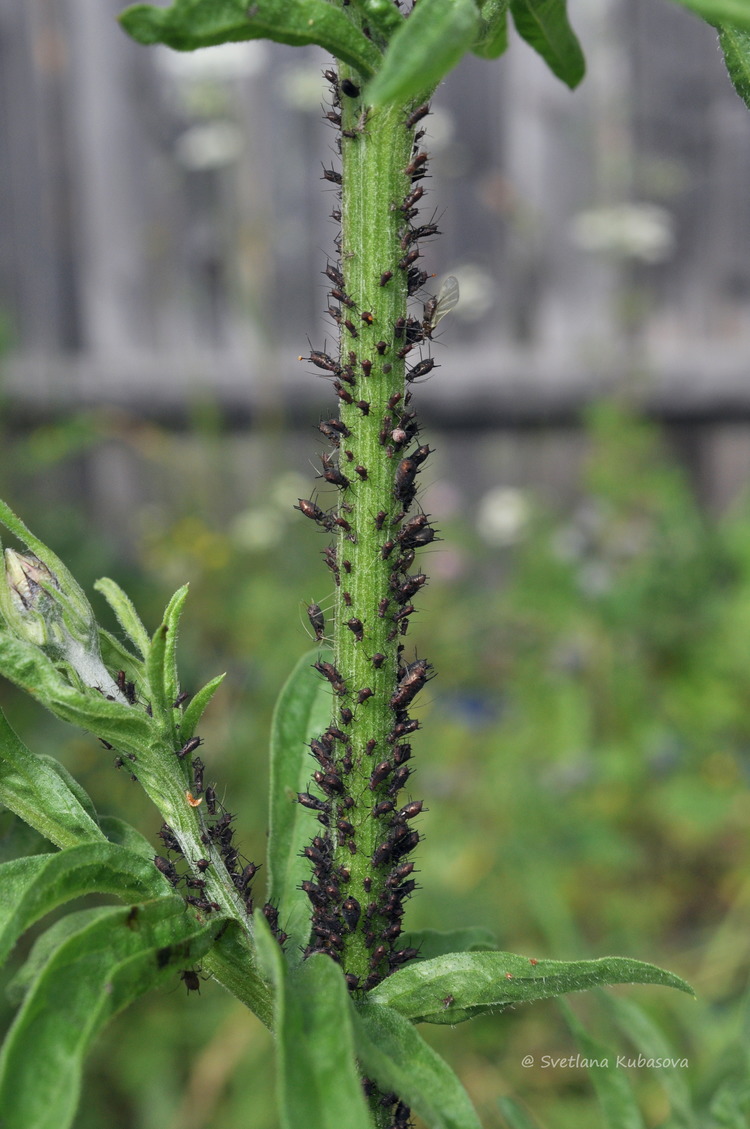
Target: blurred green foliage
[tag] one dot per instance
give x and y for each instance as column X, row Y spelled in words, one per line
column 584, row 755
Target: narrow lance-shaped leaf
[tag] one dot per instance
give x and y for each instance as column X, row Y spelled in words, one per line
column 437, row 34
column 34, row 886
column 545, row 27
column 720, row 12
column 37, row 793
column 172, row 619
column 394, row 1055
column 302, row 712
column 127, row 616
column 189, row 24
column 91, row 976
column 515, row 1116
column 116, row 656
column 318, row 1082
column 450, row 989
column 155, row 671
column 493, row 34
column 161, row 664
column 651, row 1043
column 736, row 47
column 196, row 706
column 619, row 1107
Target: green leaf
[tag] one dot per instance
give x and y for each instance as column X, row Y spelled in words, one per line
column 437, row 34
column 650, row 1041
column 395, row 1056
column 196, row 706
column 123, row 835
column 68, row 779
column 31, row 670
column 34, row 886
column 729, row 1104
column 720, row 12
column 127, row 616
column 544, row 25
column 613, row 1089
column 188, row 24
column 92, row 975
column 38, row 792
column 381, row 15
column 17, row 839
column 493, row 35
column 736, row 47
column 450, row 989
column 116, row 656
column 318, row 1082
column 434, row 943
column 161, row 663
column 46, row 944
column 302, row 712
column 155, row 673
column 515, row 1116
column 233, row 961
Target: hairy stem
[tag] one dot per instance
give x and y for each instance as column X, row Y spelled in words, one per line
column 361, row 876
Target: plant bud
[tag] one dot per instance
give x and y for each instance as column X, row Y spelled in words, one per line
column 38, row 610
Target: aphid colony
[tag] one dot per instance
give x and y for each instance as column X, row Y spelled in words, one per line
column 217, row 835
column 363, row 812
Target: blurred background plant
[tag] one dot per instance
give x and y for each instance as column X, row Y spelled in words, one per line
column 588, row 751
column 587, row 757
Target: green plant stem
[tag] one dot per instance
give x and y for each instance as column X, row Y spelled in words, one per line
column 232, row 961
column 374, row 185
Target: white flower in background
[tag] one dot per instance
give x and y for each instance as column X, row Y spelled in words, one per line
column 286, row 489
column 629, row 231
column 223, row 63
column 503, row 515
column 256, row 530
column 210, row 145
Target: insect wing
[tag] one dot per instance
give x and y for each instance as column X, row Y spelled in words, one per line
column 447, row 300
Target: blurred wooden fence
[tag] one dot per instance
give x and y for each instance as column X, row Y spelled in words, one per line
column 163, row 224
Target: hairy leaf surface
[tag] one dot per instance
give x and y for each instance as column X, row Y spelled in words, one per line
column 545, row 27
column 90, row 976
column 31, row 670
column 735, row 43
column 188, row 24
column 424, row 49
column 318, row 1082
column 303, row 711
column 493, row 36
column 34, row 886
column 127, row 616
column 456, row 987
column 395, row 1055
column 196, row 706
column 39, row 792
